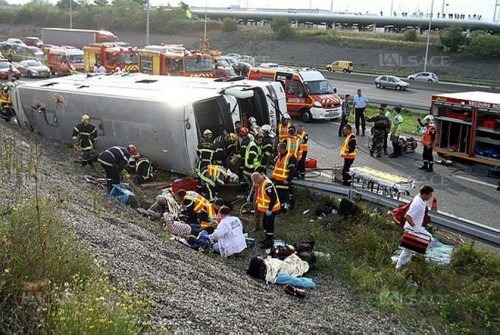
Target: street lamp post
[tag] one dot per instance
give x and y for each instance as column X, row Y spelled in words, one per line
column 428, row 36
column 147, row 24
column 70, row 14
column 205, row 27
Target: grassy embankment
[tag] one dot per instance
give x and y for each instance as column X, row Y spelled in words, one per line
column 49, row 284
column 461, row 298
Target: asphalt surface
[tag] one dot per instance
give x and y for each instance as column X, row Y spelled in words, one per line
column 418, row 96
column 464, row 191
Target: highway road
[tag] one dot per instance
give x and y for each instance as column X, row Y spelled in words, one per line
column 417, row 96
column 464, row 191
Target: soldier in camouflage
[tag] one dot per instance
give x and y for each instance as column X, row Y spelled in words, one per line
column 381, row 125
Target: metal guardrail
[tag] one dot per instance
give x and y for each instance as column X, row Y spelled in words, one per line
column 472, row 229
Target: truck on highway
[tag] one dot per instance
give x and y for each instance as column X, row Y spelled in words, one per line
column 468, row 126
column 164, row 116
column 77, row 38
column 308, row 94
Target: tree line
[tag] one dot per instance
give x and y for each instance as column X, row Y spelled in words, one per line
column 478, row 44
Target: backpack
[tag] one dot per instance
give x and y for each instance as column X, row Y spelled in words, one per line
column 399, row 213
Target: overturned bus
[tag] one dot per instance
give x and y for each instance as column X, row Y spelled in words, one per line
column 165, row 117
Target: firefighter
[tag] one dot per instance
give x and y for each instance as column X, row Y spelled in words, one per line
column 284, row 170
column 267, row 146
column 6, row 110
column 428, row 142
column 244, row 141
column 389, row 116
column 197, row 208
column 303, row 149
column 114, row 160
column 268, row 204
column 144, row 171
column 380, row 127
column 211, row 178
column 225, row 147
column 283, row 128
column 348, row 153
column 293, row 142
column 397, row 121
column 253, row 126
column 253, row 156
column 85, row 139
column 205, row 151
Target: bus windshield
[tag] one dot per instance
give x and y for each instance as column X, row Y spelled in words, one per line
column 319, row 87
column 199, row 64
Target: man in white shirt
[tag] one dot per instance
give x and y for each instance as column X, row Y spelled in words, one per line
column 102, row 69
column 228, row 234
column 415, row 219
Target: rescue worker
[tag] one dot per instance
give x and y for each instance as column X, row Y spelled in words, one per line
column 144, row 171
column 267, row 146
column 389, row 116
column 292, row 142
column 303, row 149
column 283, row 128
column 346, row 111
column 253, row 156
column 380, row 127
column 396, row 125
column 267, row 203
column 114, row 160
column 348, row 153
column 205, row 151
column 284, row 170
column 6, row 110
column 244, row 141
column 253, row 126
column 428, row 140
column 197, row 208
column 211, row 178
column 85, row 139
column 225, row 146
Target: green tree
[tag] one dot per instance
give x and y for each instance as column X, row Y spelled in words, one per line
column 64, row 4
column 410, row 35
column 3, row 3
column 282, row 29
column 229, row 24
column 486, row 46
column 452, row 38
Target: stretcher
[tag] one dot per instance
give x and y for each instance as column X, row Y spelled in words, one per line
column 379, row 181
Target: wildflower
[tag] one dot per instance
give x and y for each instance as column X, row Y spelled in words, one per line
column 6, row 270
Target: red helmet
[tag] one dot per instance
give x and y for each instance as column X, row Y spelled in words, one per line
column 243, row 131
column 132, row 149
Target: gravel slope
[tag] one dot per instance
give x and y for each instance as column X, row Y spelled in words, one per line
column 192, row 292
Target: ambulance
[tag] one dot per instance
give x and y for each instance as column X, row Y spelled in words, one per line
column 63, row 61
column 309, row 96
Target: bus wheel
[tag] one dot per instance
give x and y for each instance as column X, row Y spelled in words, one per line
column 306, row 116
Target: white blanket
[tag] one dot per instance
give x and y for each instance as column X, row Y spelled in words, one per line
column 292, row 265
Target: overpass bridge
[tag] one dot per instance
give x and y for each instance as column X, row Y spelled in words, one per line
column 332, row 20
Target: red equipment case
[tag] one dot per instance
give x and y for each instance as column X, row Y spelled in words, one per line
column 188, row 184
column 415, row 242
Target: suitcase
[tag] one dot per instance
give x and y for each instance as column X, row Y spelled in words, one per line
column 187, row 184
column 415, row 242
column 311, row 163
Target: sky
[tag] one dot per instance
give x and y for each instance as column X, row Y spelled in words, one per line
column 483, row 7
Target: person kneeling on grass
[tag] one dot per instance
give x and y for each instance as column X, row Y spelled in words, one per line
column 228, row 234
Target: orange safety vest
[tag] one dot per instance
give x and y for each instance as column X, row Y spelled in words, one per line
column 282, row 132
column 345, row 148
column 263, row 200
column 281, row 170
column 200, row 203
column 293, row 145
column 427, row 138
column 217, row 173
column 303, row 146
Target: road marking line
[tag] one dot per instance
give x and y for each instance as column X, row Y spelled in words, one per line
column 476, row 181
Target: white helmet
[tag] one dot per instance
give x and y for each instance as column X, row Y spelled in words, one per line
column 266, row 128
column 429, row 118
column 252, row 120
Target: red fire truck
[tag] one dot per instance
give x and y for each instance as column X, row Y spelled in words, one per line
column 175, row 64
column 111, row 57
column 468, row 126
column 308, row 94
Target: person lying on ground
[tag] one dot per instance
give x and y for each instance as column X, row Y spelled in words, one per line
column 179, row 228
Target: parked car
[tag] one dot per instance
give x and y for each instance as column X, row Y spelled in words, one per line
column 33, row 41
column 29, row 53
column 424, row 76
column 33, row 68
column 4, row 70
column 391, row 82
column 340, row 65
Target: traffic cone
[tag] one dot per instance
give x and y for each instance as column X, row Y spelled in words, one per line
column 434, row 206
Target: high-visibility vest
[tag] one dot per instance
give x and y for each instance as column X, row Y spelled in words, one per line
column 303, row 146
column 282, row 132
column 213, row 174
column 148, row 173
column 427, row 137
column 281, row 170
column 344, row 152
column 256, row 161
column 263, row 200
column 293, row 145
column 200, row 203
